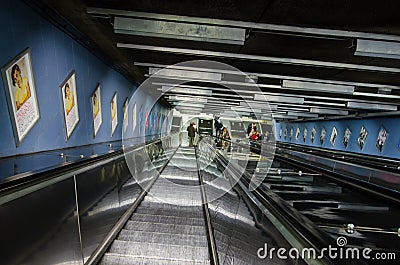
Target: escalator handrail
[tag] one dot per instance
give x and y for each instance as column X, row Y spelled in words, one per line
column 307, row 231
column 30, row 182
column 99, row 252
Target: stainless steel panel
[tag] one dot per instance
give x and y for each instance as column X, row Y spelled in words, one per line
column 41, row 227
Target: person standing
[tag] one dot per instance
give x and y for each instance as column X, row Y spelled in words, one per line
column 191, row 133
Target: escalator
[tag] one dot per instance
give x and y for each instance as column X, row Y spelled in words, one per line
column 170, row 225
column 160, row 232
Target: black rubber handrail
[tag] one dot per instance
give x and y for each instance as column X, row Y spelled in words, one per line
column 26, row 180
column 110, row 237
column 212, row 246
column 293, row 220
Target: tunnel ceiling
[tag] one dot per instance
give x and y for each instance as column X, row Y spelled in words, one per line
column 281, row 43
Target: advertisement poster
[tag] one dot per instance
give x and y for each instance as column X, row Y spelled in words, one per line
column 291, row 134
column 382, row 137
column 96, row 109
column 305, row 134
column 125, row 110
column 280, row 133
column 313, row 133
column 322, row 137
column 114, row 113
column 21, row 95
column 70, row 104
column 346, row 137
column 362, row 137
column 333, row 136
column 285, row 134
column 297, row 134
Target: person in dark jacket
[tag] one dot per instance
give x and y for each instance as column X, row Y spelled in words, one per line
column 191, row 133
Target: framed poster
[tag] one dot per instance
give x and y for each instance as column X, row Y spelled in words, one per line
column 70, row 104
column 382, row 137
column 305, row 134
column 140, row 120
column 134, row 117
column 333, row 136
column 285, row 134
column 147, row 119
column 125, row 122
column 291, row 134
column 297, row 133
column 280, row 133
column 21, row 95
column 114, row 113
column 322, row 137
column 313, row 133
column 362, row 137
column 346, row 137
column 96, row 110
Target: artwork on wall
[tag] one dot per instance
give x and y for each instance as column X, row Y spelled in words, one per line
column 114, row 113
column 313, row 133
column 147, row 118
column 140, row 120
column 280, row 133
column 362, row 137
column 134, row 118
column 291, row 134
column 70, row 104
column 333, row 136
column 346, row 137
column 305, row 134
column 96, row 110
column 285, row 134
column 21, row 95
column 125, row 122
column 382, row 137
column 297, row 133
column 322, row 137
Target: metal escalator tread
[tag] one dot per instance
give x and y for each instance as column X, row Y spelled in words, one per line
column 162, row 233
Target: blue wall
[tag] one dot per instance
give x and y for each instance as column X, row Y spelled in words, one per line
column 373, row 125
column 54, row 55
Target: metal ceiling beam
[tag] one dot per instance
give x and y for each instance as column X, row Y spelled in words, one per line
column 273, row 76
column 259, row 58
column 244, row 24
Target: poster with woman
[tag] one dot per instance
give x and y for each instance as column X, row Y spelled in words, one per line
column 21, row 95
column 280, row 133
column 291, row 134
column 382, row 137
column 322, row 136
column 297, row 133
column 285, row 134
column 333, row 136
column 125, row 122
column 313, row 133
column 305, row 134
column 346, row 137
column 114, row 113
column 362, row 137
column 70, row 104
column 96, row 110
column 141, row 121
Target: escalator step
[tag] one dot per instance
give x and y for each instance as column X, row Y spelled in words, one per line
column 162, row 228
column 117, row 259
column 167, row 219
column 156, row 251
column 163, row 238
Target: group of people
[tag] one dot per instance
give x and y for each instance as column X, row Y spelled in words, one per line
column 223, row 138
